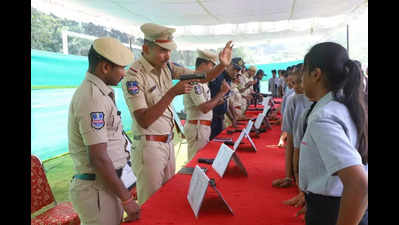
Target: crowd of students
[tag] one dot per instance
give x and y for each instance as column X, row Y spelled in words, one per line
column 324, row 129
column 324, row 117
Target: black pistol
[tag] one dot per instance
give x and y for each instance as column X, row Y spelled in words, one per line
column 192, row 76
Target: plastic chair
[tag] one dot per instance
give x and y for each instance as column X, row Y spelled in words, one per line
column 41, row 196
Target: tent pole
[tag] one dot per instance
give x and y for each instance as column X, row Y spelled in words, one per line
column 347, row 38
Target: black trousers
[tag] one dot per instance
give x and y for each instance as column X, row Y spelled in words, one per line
column 216, row 126
column 323, row 210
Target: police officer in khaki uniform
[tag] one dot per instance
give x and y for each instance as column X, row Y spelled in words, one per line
column 236, row 99
column 148, row 92
column 96, row 141
column 198, row 106
column 249, row 82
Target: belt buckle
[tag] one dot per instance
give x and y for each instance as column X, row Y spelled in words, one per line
column 170, row 137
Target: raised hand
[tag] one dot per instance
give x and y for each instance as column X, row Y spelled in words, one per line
column 226, row 53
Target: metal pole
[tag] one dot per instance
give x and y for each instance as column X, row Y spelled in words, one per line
column 65, row 42
column 347, row 38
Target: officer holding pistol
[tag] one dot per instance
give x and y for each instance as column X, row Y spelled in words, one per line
column 198, row 105
column 148, row 92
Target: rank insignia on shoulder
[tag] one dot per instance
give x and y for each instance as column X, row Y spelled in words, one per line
column 97, row 120
column 197, row 89
column 132, row 87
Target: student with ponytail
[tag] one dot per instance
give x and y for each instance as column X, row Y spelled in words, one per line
column 333, row 160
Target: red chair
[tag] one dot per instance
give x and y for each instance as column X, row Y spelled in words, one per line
column 41, row 196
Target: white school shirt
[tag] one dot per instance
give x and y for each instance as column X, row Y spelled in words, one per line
column 296, row 103
column 329, row 145
column 289, row 92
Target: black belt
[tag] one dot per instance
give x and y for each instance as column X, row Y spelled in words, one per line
column 92, row 176
column 85, row 176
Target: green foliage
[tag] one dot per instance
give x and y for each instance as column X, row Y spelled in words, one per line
column 45, row 32
column 46, row 35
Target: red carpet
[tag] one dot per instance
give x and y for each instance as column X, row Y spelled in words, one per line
column 253, row 199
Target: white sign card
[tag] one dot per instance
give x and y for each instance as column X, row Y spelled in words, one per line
column 259, row 120
column 245, row 132
column 197, row 189
column 222, row 159
column 266, row 101
column 261, row 117
column 266, row 105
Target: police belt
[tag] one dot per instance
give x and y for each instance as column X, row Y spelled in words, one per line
column 202, row 122
column 160, row 138
column 92, row 176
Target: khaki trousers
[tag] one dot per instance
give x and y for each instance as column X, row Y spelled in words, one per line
column 94, row 204
column 197, row 136
column 153, row 164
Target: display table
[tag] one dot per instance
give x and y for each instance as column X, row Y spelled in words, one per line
column 252, row 199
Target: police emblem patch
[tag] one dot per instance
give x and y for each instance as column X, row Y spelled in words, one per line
column 97, row 120
column 132, row 87
column 197, row 89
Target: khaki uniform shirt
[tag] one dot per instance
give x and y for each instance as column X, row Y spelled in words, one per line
column 198, row 95
column 235, row 99
column 243, row 81
column 251, row 88
column 92, row 120
column 142, row 88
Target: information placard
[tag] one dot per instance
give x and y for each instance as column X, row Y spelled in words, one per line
column 266, row 105
column 197, row 189
column 222, row 159
column 259, row 120
column 245, row 132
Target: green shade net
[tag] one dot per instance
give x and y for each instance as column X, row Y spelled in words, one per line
column 54, row 78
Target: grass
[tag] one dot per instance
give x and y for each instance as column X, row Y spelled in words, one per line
column 59, row 170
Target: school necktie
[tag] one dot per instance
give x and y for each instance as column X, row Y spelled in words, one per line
column 307, row 115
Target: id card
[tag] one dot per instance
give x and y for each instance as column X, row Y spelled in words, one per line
column 128, row 178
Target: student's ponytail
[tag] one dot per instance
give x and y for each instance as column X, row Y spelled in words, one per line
column 353, row 98
column 344, row 78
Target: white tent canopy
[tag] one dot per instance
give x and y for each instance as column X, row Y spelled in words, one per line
column 210, row 23
column 269, row 30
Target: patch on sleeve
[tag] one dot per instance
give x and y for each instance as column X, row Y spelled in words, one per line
column 132, row 87
column 97, row 120
column 197, row 89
